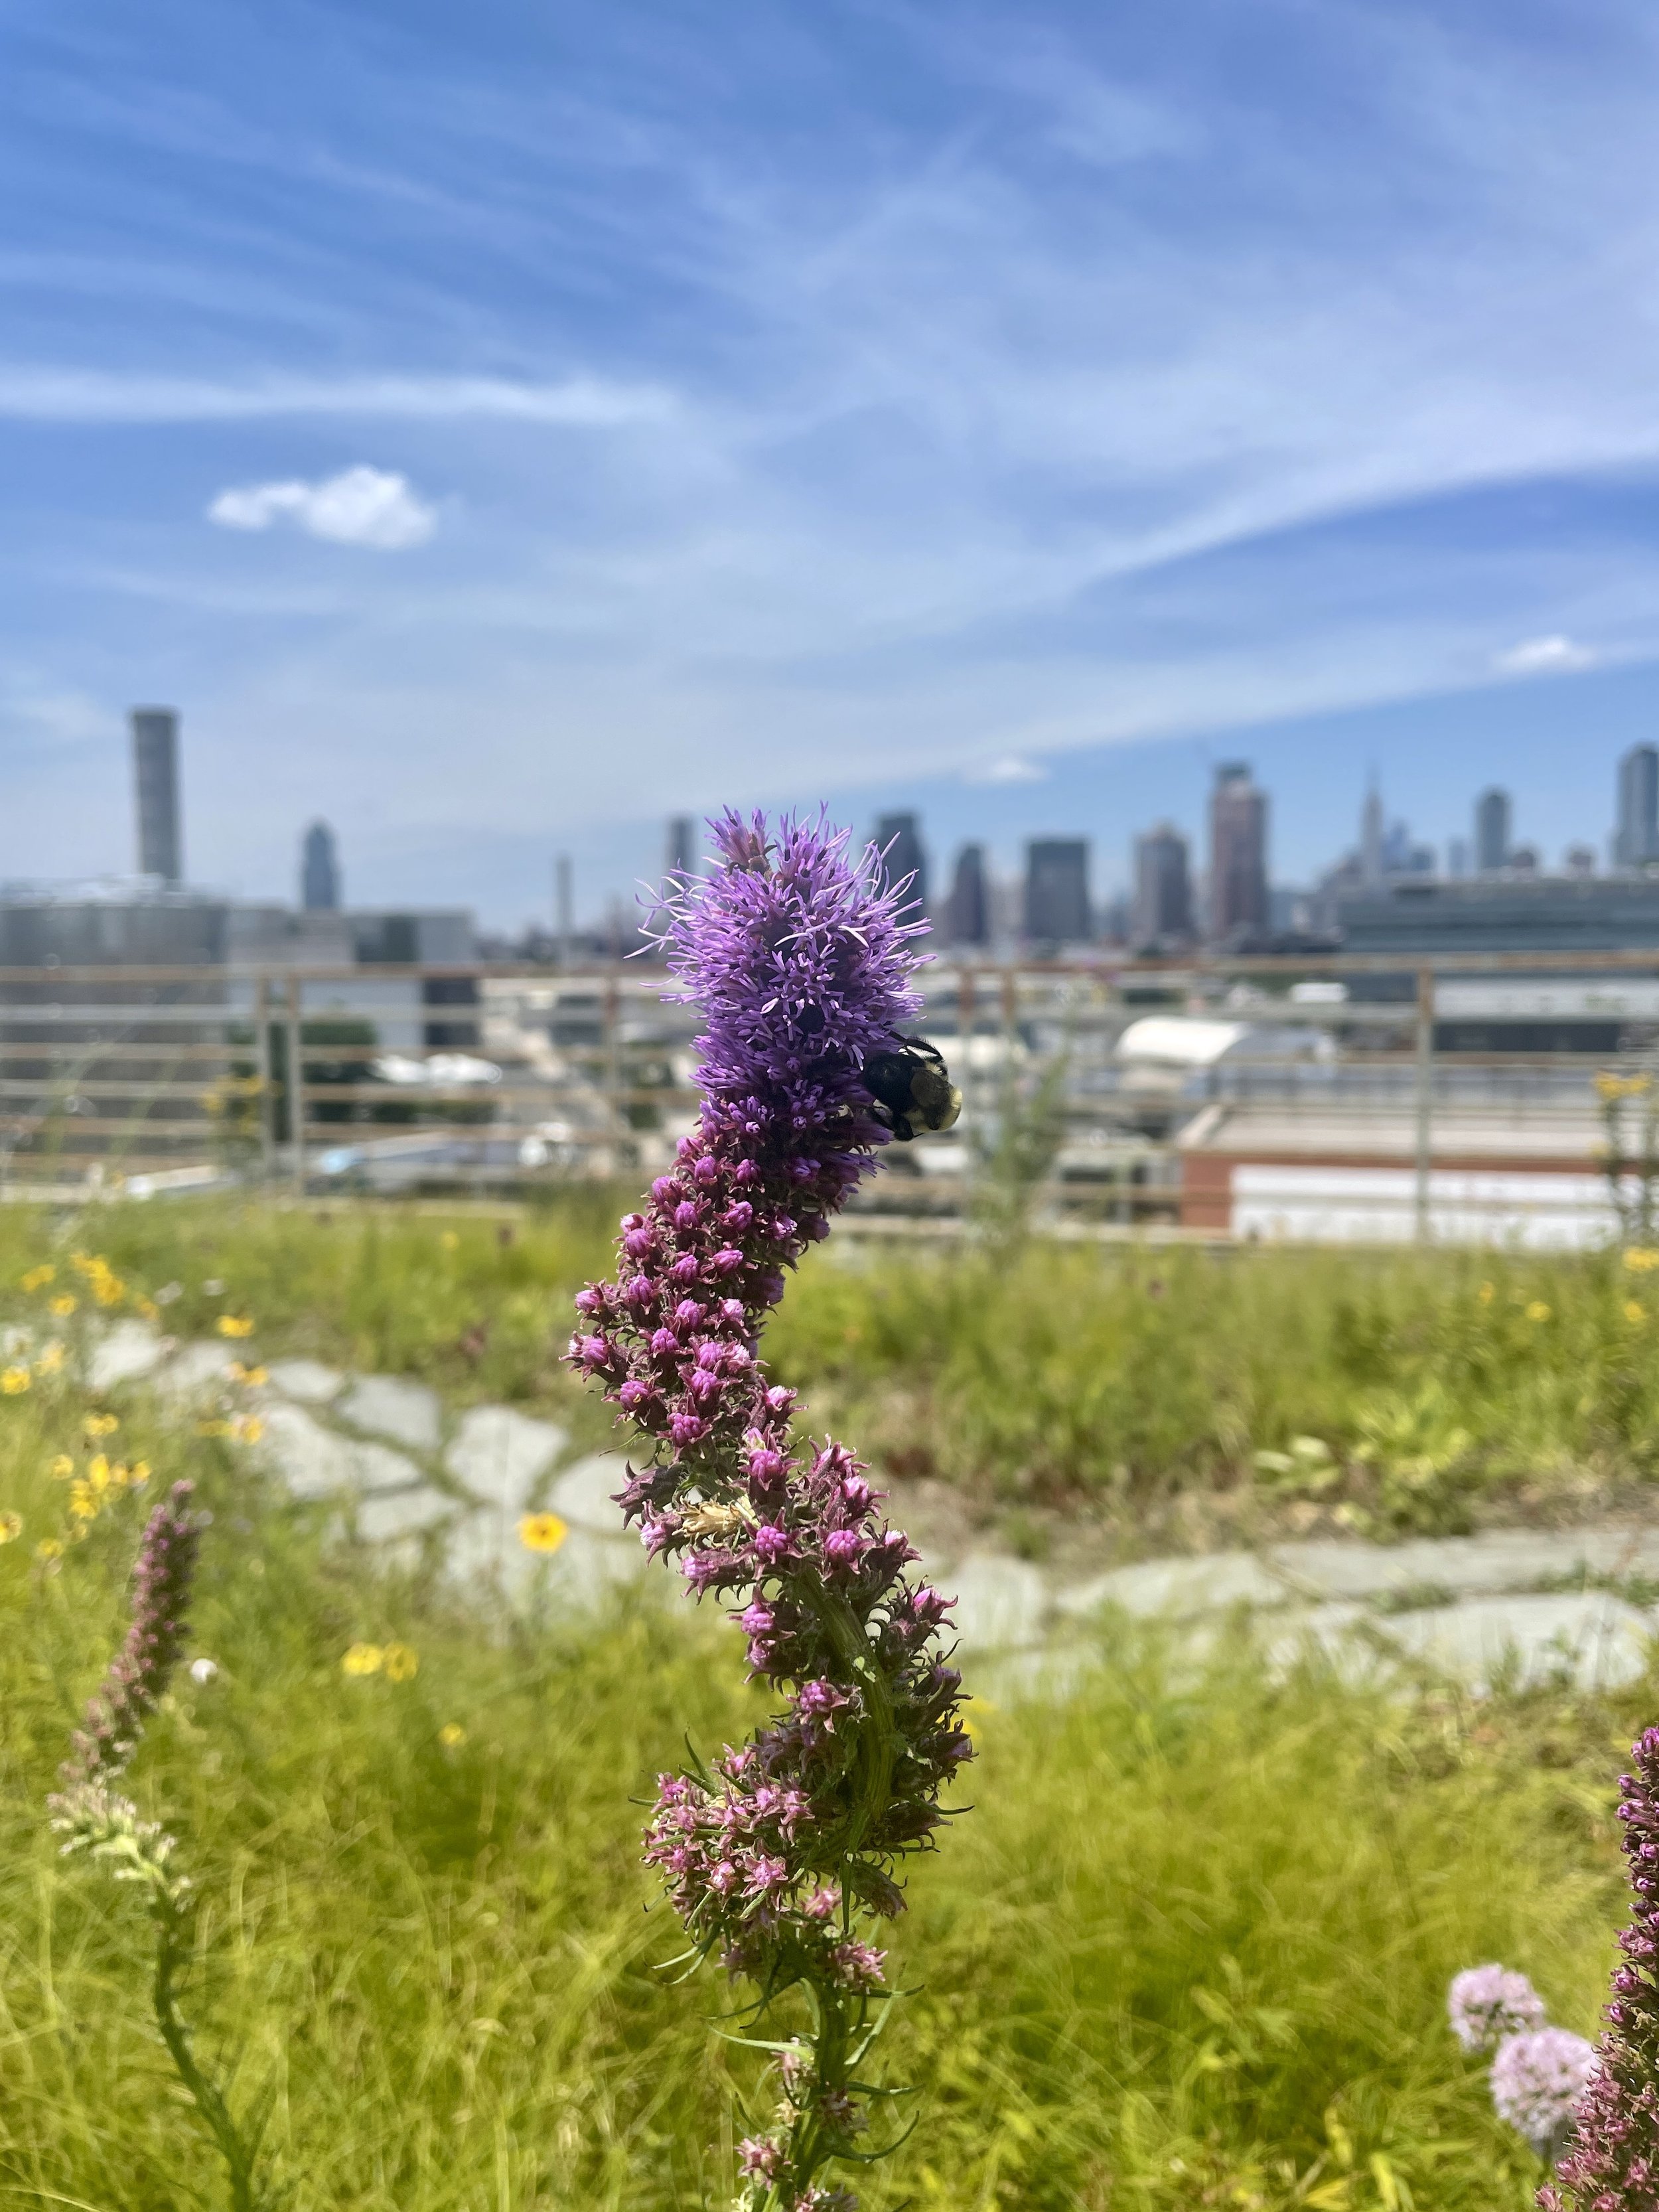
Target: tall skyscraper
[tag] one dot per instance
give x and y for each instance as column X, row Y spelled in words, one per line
column 1636, row 840
column 1238, row 852
column 968, row 912
column 320, row 871
column 1164, row 888
column 1493, row 836
column 1057, row 890
column 1372, row 836
column 155, row 776
column 680, row 858
column 899, row 835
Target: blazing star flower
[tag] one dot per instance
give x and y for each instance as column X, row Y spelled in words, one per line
column 1486, row 2004
column 1537, row 2079
column 1612, row 2158
column 802, row 969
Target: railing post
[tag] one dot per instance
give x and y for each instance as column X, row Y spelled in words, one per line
column 296, row 1084
column 1425, row 1096
column 263, row 1103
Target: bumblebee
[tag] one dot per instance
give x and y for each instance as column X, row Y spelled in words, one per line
column 912, row 1089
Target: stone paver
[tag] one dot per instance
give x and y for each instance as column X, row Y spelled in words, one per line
column 126, row 1353
column 390, row 1516
column 1589, row 1638
column 195, row 1369
column 1000, row 1602
column 498, row 1455
column 585, row 1494
column 308, row 1379
column 387, row 1406
column 1177, row 1589
column 316, row 1462
column 1502, row 1559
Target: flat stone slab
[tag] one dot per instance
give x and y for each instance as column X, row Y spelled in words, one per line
column 387, row 1406
column 1588, row 1638
column 389, row 1516
column 574, row 1580
column 314, row 1462
column 1502, row 1559
column 585, row 1495
column 125, row 1353
column 195, row 1369
column 999, row 1603
column 499, row 1456
column 1176, row 1589
column 307, row 1380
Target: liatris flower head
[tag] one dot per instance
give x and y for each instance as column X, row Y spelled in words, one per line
column 138, row 1674
column 803, row 968
column 1612, row 2163
column 1538, row 2078
column 1486, row 2004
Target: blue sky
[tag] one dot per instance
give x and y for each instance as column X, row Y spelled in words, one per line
column 497, row 428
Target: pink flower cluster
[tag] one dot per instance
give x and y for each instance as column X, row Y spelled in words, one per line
column 802, row 967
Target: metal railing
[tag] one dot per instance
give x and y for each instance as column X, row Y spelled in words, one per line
column 501, row 1077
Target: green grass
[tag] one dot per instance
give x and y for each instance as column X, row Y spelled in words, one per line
column 1447, row 1386
column 1190, row 1947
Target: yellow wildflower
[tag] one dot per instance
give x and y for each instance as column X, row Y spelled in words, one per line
column 1642, row 1258
column 1487, row 1294
column 251, row 1429
column 108, row 1290
column 62, row 1468
column 38, row 1277
column 49, row 1360
column 402, row 1662
column 541, row 1532
column 49, row 1548
column 1538, row 1310
column 1635, row 1310
column 138, row 1473
column 11, row 1528
column 216, row 1428
column 14, row 1380
column 363, row 1659
column 451, row 1735
column 98, row 1471
column 233, row 1325
column 253, row 1376
column 65, row 1304
column 449, row 1241
column 100, row 1424
column 82, row 1502
column 148, row 1308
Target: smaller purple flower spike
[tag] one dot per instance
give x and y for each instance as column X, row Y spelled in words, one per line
column 775, row 1855
column 131, row 1688
column 1486, row 2004
column 1538, row 2079
column 1612, row 2163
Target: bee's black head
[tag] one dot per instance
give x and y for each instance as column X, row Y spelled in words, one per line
column 911, row 1089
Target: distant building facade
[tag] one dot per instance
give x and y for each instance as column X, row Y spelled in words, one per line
column 155, row 782
column 1057, row 890
column 1162, row 908
column 1238, row 854
column 680, row 855
column 899, row 836
column 1635, row 839
column 967, row 910
column 1493, row 832
column 320, row 871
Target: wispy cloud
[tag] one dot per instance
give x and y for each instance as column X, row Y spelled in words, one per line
column 1545, row 656
column 360, row 507
column 71, row 395
column 1007, row 768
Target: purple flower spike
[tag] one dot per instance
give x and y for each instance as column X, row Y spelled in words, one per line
column 802, row 969
column 1611, row 2160
column 138, row 1674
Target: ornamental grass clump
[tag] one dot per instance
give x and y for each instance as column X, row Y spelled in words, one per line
column 93, row 1817
column 782, row 1854
column 1612, row 2163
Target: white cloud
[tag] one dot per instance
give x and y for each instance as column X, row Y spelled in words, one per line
column 77, row 395
column 1545, row 656
column 360, row 507
column 1012, row 768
